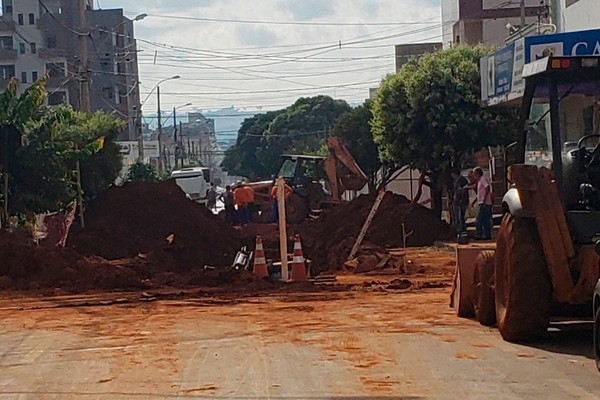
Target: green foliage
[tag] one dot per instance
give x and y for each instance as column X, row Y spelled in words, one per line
column 299, row 128
column 353, row 127
column 43, row 170
column 428, row 114
column 141, row 172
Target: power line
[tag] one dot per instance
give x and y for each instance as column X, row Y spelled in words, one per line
column 299, row 23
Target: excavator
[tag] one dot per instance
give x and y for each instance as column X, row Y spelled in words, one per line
column 317, row 183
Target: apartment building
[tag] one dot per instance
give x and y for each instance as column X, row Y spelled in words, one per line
column 483, row 21
column 578, row 15
column 40, row 37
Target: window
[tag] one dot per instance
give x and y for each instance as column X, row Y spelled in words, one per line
column 34, row 76
column 31, row 19
column 107, row 92
column 23, row 77
column 6, row 42
column 7, row 71
column 20, row 19
column 22, row 48
column 33, row 48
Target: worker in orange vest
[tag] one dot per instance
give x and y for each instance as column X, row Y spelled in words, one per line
column 274, row 196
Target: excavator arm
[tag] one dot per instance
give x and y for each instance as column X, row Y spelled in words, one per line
column 351, row 177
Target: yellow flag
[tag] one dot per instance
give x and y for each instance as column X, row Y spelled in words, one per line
column 100, row 142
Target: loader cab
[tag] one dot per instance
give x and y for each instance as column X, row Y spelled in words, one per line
column 299, row 171
column 561, row 131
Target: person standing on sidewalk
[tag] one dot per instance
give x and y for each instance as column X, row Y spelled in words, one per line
column 484, row 200
column 460, row 201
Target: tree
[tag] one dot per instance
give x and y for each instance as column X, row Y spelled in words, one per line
column 299, row 128
column 101, row 169
column 353, row 127
column 142, row 172
column 428, row 115
column 42, row 168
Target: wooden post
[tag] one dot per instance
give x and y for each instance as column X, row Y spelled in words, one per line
column 80, row 194
column 367, row 224
column 282, row 228
column 5, row 198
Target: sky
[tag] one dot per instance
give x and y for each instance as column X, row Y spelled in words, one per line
column 265, row 54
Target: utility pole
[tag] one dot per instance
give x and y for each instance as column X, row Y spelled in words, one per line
column 522, row 14
column 160, row 149
column 84, row 91
column 182, row 145
column 82, row 49
column 175, row 134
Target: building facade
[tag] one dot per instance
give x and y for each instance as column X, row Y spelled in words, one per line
column 483, row 21
column 41, row 39
column 578, row 15
column 406, row 52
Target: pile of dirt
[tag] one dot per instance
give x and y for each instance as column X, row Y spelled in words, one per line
column 142, row 217
column 28, row 266
column 329, row 240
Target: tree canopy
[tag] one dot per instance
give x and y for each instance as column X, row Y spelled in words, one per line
column 353, row 127
column 49, row 143
column 428, row 114
column 299, row 128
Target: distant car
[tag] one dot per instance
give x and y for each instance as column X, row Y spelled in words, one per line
column 194, row 181
column 597, row 325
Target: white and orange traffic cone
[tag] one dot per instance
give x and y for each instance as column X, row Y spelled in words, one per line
column 298, row 267
column 260, row 262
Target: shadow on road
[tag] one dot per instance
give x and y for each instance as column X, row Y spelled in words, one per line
column 573, row 337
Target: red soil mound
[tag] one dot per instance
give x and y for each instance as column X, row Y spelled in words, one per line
column 329, row 240
column 138, row 218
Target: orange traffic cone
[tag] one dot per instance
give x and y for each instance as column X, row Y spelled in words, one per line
column 260, row 262
column 298, row 268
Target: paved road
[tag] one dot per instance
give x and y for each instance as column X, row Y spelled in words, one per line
column 348, row 345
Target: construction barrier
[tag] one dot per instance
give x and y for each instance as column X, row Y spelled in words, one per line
column 298, row 266
column 260, row 262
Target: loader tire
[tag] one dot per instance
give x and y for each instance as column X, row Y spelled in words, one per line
column 597, row 338
column 296, row 209
column 522, row 281
column 484, row 301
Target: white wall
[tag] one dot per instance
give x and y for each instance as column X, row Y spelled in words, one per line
column 449, row 18
column 581, row 15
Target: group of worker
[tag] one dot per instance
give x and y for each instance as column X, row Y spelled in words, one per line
column 239, row 204
column 478, row 182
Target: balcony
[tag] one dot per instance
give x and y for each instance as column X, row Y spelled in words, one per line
column 8, row 54
column 47, row 54
column 7, row 25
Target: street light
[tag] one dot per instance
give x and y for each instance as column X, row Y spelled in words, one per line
column 160, row 150
column 141, row 134
column 140, row 17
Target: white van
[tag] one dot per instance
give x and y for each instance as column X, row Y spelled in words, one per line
column 194, row 181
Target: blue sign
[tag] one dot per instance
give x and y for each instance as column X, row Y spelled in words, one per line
column 580, row 43
column 503, row 69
